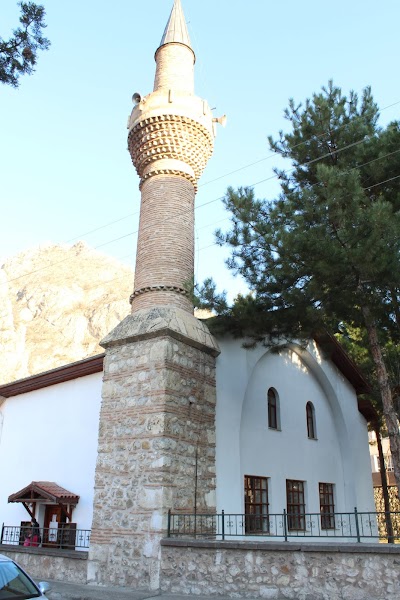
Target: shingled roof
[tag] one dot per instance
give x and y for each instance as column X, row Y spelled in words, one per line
column 45, row 491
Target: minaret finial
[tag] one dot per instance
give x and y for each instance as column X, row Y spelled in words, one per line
column 176, row 29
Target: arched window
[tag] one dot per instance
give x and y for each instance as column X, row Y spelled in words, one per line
column 310, row 412
column 273, row 409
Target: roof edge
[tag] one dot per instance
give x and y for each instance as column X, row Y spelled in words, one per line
column 349, row 369
column 81, row 368
column 42, row 487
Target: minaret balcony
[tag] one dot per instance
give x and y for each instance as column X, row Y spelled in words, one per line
column 171, row 141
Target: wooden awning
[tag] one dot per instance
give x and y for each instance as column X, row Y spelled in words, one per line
column 44, row 492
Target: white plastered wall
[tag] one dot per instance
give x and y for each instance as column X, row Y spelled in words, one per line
column 51, row 434
column 246, row 446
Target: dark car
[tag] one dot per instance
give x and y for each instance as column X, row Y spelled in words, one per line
column 15, row 584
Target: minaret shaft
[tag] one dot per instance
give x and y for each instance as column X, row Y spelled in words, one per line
column 175, row 69
column 164, row 262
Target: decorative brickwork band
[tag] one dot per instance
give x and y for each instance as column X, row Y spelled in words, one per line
column 170, row 137
column 168, row 172
column 158, row 288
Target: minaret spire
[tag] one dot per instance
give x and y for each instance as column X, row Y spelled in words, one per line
column 175, row 56
column 176, row 29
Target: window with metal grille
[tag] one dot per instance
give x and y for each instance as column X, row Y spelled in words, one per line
column 389, row 463
column 327, row 505
column 375, row 466
column 256, row 506
column 296, row 507
column 310, row 421
column 272, row 409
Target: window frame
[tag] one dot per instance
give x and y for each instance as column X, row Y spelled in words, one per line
column 310, row 419
column 256, row 504
column 296, row 511
column 327, row 505
column 273, row 409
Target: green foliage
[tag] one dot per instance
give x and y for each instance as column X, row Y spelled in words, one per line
column 18, row 55
column 355, row 342
column 330, row 243
column 206, row 296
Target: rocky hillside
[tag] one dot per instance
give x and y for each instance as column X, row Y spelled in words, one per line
column 56, row 303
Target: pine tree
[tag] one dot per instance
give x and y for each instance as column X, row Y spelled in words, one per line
column 327, row 250
column 18, row 55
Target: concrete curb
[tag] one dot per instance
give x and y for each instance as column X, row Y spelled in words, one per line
column 72, row 591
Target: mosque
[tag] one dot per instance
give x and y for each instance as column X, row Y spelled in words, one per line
column 170, row 418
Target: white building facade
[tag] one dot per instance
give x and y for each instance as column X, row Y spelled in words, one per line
column 270, row 447
column 312, row 442
column 49, row 429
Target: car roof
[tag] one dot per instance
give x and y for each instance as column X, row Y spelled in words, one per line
column 4, row 558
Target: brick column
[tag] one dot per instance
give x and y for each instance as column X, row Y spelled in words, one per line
column 165, row 258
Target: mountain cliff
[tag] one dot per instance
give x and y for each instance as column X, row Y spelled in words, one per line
column 56, row 303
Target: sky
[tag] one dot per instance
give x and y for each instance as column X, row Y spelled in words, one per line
column 65, row 173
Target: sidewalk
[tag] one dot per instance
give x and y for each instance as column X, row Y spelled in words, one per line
column 72, row 591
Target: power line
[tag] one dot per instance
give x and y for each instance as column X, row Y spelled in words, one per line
column 67, row 258
column 365, row 189
column 199, row 250
column 242, row 168
column 273, row 154
column 381, row 182
column 275, row 176
column 100, row 285
column 78, row 237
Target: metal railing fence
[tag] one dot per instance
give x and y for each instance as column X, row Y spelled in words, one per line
column 63, row 537
column 350, row 526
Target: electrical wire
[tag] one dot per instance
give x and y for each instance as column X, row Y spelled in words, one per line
column 273, row 154
column 239, row 169
column 275, row 176
column 204, row 248
column 78, row 237
column 199, row 250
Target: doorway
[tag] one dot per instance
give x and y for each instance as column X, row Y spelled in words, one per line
column 54, row 518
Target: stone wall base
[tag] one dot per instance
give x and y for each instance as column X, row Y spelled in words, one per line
column 275, row 571
column 281, row 571
column 45, row 564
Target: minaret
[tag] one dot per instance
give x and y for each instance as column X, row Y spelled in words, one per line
column 170, row 141
column 156, row 447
